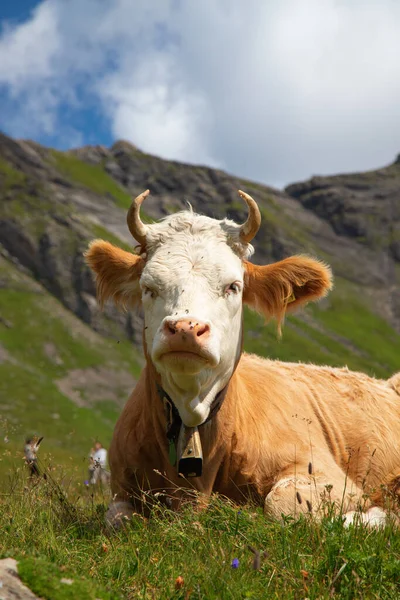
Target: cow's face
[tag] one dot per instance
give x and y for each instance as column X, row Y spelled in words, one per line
column 191, row 279
column 191, row 291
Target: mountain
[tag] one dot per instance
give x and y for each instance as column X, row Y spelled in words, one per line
column 66, row 368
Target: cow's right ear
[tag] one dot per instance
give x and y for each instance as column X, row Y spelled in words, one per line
column 117, row 273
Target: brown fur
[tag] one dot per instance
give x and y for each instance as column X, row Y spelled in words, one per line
column 117, row 273
column 287, row 434
column 273, row 289
column 394, row 383
column 276, row 420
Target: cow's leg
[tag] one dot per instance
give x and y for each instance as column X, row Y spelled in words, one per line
column 373, row 517
column 297, row 491
column 119, row 513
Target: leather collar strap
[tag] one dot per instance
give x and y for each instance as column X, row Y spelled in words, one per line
column 173, row 417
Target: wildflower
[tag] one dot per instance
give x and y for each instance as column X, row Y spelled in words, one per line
column 104, row 547
column 86, row 482
column 235, row 563
column 179, row 583
column 304, row 573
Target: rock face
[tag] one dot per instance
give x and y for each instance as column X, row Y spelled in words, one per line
column 11, row 587
column 365, row 209
column 53, row 203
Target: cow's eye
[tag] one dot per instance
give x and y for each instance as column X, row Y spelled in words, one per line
column 149, row 292
column 233, row 288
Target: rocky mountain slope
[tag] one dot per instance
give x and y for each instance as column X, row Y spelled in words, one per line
column 57, row 349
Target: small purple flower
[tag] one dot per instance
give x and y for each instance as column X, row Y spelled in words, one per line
column 86, row 482
column 235, row 563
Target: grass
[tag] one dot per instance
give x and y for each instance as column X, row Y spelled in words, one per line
column 27, row 201
column 10, row 177
column 58, row 532
column 343, row 333
column 104, row 234
column 92, row 177
column 32, row 320
column 350, row 317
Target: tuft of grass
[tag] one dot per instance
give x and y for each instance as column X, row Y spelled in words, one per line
column 63, row 532
column 50, row 581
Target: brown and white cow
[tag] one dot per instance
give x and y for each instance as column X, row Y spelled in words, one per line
column 287, row 434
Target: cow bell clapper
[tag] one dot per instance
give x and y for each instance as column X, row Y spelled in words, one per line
column 189, row 451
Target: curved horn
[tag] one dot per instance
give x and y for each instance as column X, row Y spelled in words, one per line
column 249, row 229
column 136, row 226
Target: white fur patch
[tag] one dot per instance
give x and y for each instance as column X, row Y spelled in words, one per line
column 287, row 481
column 375, row 517
column 192, row 261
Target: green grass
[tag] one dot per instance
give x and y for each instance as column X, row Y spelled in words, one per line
column 49, row 581
column 105, row 234
column 27, row 201
column 10, row 177
column 349, row 316
column 57, row 533
column 92, row 177
column 344, row 333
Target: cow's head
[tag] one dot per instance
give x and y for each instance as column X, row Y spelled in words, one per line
column 192, row 278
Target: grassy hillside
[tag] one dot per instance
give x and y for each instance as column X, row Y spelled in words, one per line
column 65, row 372
column 45, row 343
column 53, row 366
column 340, row 331
column 42, row 344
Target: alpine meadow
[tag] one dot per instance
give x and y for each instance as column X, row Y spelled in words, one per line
column 67, row 369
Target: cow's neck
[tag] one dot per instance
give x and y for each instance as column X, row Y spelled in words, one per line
column 193, row 398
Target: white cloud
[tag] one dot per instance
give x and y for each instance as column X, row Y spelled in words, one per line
column 27, row 50
column 157, row 111
column 274, row 91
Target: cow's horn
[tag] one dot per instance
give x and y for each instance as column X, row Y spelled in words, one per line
column 136, row 226
column 249, row 229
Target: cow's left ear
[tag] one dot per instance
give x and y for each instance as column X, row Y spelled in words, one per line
column 273, row 289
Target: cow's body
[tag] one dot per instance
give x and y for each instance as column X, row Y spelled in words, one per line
column 289, row 435
column 277, row 420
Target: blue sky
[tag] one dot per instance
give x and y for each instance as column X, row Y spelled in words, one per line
column 275, row 91
column 17, row 11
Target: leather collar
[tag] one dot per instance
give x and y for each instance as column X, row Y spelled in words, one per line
column 173, row 417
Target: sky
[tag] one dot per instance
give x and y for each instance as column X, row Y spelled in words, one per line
column 271, row 90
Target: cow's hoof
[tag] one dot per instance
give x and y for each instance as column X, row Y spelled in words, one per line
column 119, row 514
column 375, row 517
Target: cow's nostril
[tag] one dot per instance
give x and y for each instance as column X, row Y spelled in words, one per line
column 202, row 330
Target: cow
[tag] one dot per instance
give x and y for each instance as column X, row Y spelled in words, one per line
column 294, row 437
